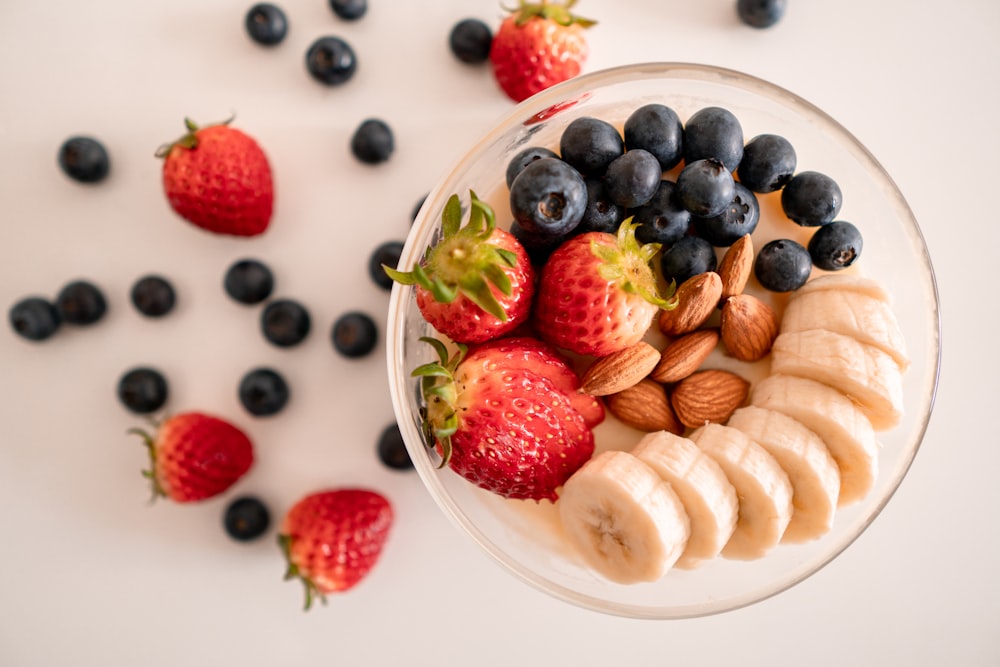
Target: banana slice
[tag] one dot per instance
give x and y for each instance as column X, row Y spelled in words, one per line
column 835, row 419
column 867, row 319
column 704, row 490
column 805, row 458
column 765, row 494
column 625, row 521
column 847, row 281
column 865, row 373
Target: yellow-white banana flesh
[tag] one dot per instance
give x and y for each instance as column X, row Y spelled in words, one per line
column 849, row 282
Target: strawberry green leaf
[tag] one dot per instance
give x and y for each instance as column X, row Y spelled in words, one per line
column 497, row 276
column 451, row 218
column 440, row 348
column 476, row 289
column 509, row 258
column 430, row 370
column 401, row 277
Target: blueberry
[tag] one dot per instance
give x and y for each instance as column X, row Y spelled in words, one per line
column 349, row 10
column 590, row 144
column 354, row 334
column 782, row 266
column 714, row 132
column 538, row 246
column 657, row 129
column 760, row 13
column 285, row 323
column 249, row 281
column 153, row 296
column 811, row 199
column 331, row 60
column 263, row 392
column 705, row 187
column 739, row 218
column 523, row 159
column 688, row 257
column 81, row 302
column 142, row 390
column 372, row 142
column 633, row 178
column 385, row 254
column 392, row 450
column 246, row 518
column 548, row 197
column 601, row 214
column 768, row 163
column 34, row 318
column 84, row 159
column 470, row 41
column 266, row 24
column 663, row 220
column 835, row 246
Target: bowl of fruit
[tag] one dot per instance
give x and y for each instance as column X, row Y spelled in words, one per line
column 665, row 341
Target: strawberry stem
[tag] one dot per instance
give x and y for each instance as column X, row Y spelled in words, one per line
column 150, row 474
column 293, row 572
column 437, row 386
column 627, row 263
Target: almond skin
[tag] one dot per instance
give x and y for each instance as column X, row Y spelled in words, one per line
column 683, row 356
column 697, row 298
column 620, row 370
column 645, row 406
column 708, row 396
column 736, row 267
column 748, row 327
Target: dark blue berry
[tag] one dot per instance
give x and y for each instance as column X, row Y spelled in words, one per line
column 470, row 41
column 688, row 257
column 835, row 246
column 633, row 178
column 590, row 144
column 386, row 254
column 285, row 323
column 349, row 10
column 768, row 163
column 523, row 159
column 392, row 450
column 601, row 214
column 760, row 13
column 81, row 302
column 714, row 132
column 84, row 159
column 657, row 129
column 266, row 24
column 782, row 266
column 739, row 218
column 153, row 296
column 34, row 318
column 249, row 281
column 538, row 246
column 372, row 142
column 705, row 187
column 143, row 390
column 263, row 392
column 548, row 197
column 246, row 518
column 811, row 199
column 331, row 60
column 663, row 220
column 354, row 334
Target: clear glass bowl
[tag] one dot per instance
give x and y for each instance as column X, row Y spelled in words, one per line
column 525, row 538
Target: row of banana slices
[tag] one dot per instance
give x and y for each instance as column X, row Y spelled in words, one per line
column 776, row 471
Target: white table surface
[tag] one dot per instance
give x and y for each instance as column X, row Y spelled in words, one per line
column 92, row 575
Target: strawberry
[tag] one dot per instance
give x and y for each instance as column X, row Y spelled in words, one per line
column 477, row 282
column 194, row 456
column 510, row 432
column 538, row 45
column 218, row 178
column 333, row 538
column 597, row 293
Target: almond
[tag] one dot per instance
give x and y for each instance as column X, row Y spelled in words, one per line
column 708, row 396
column 736, row 267
column 696, row 298
column 620, row 370
column 684, row 355
column 645, row 406
column 748, row 326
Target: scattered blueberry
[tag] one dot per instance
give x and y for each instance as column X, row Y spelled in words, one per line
column 657, row 129
column 84, row 159
column 153, row 296
column 663, row 220
column 385, row 254
column 246, row 518
column 354, row 334
column 714, row 132
column 768, row 163
column 142, row 390
column 811, row 199
column 633, row 178
column 331, row 60
column 249, row 281
column 548, row 197
column 372, row 142
column 34, row 318
column 349, row 10
column 601, row 214
column 705, row 187
column 523, row 159
column 392, row 450
column 835, row 246
column 263, row 392
column 760, row 13
column 81, row 302
column 285, row 322
column 470, row 41
column 266, row 24
column 590, row 144
column 739, row 218
column 782, row 266
column 686, row 258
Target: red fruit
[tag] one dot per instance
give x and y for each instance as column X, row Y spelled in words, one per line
column 219, row 179
column 332, row 539
column 597, row 293
column 539, row 45
column 195, row 456
column 477, row 282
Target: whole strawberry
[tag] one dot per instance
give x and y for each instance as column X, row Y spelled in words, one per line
column 332, row 539
column 219, row 178
column 538, row 45
column 597, row 293
column 477, row 282
column 194, row 456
